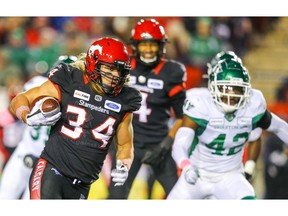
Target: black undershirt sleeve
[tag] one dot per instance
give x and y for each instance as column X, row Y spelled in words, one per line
column 265, row 121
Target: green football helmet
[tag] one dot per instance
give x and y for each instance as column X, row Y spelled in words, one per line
column 229, row 84
column 223, row 55
column 66, row 59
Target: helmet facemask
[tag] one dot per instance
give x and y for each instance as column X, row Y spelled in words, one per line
column 230, row 96
column 116, row 82
column 230, row 87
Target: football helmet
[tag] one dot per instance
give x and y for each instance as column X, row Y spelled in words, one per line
column 229, row 84
column 111, row 52
column 223, row 55
column 148, row 30
column 67, row 59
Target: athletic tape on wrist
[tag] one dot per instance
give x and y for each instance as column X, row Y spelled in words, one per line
column 20, row 111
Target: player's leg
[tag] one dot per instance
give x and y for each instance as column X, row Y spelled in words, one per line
column 166, row 173
column 140, row 188
column 15, row 177
column 234, row 186
column 184, row 190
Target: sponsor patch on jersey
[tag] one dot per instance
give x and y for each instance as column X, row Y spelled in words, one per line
column 98, row 98
column 244, row 121
column 112, row 106
column 155, row 83
column 143, row 88
column 132, row 80
column 216, row 121
column 81, row 95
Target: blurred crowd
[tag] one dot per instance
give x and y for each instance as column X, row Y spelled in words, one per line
column 30, row 45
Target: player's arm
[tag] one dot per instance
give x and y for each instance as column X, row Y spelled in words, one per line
column 253, row 151
column 155, row 156
column 273, row 123
column 124, row 140
column 173, row 130
column 182, row 142
column 279, row 127
column 125, row 151
column 181, row 147
column 20, row 105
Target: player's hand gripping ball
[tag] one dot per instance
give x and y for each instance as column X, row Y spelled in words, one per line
column 45, row 111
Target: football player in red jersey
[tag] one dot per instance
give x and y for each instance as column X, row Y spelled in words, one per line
column 161, row 83
column 96, row 107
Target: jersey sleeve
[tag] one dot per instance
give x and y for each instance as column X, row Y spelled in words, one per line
column 258, row 106
column 176, row 78
column 133, row 99
column 255, row 134
column 60, row 75
column 195, row 106
column 176, row 88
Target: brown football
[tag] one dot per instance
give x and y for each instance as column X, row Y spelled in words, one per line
column 48, row 105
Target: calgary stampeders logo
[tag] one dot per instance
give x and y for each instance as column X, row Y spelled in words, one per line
column 93, row 48
column 36, row 180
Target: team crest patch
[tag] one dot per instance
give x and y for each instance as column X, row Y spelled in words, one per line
column 155, row 83
column 81, row 95
column 116, row 107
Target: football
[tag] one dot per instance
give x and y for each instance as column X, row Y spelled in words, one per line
column 49, row 104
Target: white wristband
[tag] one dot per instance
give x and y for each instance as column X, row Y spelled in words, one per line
column 249, row 166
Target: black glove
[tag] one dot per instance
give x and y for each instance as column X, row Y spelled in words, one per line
column 156, row 155
column 30, row 160
column 249, row 169
column 248, row 176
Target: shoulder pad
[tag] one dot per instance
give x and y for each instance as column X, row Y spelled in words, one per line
column 257, row 102
column 197, row 102
column 132, row 97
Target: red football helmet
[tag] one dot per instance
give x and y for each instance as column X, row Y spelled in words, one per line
column 112, row 52
column 149, row 30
